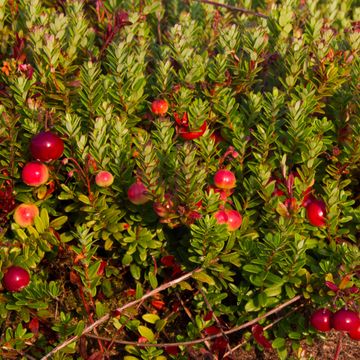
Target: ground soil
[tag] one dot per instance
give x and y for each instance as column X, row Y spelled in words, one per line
column 322, row 350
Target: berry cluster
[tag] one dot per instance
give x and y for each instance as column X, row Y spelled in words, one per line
column 342, row 320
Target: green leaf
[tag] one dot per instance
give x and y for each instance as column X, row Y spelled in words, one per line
column 39, row 225
column 151, row 318
column 251, row 268
column 84, row 199
column 203, row 277
column 146, row 333
column 80, row 326
column 58, row 222
column 153, row 280
column 135, row 271
column 278, row 343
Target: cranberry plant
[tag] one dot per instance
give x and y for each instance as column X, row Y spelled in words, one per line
column 174, row 174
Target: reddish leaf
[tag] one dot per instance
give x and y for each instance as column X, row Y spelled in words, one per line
column 130, row 292
column 168, row 260
column 344, row 281
column 331, row 286
column 34, row 326
column 258, row 333
column 157, row 304
column 353, row 290
column 102, row 267
column 75, row 278
column 172, row 350
column 212, row 330
column 219, row 345
column 208, row 316
column 97, row 355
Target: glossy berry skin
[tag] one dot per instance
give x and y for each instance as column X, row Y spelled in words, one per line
column 104, row 179
column 316, row 213
column 221, row 217
column 46, row 146
column 35, row 173
column 159, row 107
column 225, row 179
column 345, row 320
column 137, row 194
column 231, row 218
column 321, row 320
column 355, row 333
column 15, row 278
column 25, row 214
column 234, row 220
column 186, row 134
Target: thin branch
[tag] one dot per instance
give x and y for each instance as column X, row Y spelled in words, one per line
column 339, row 346
column 211, row 337
column 216, row 320
column 234, row 8
column 119, row 310
column 188, row 313
column 265, row 328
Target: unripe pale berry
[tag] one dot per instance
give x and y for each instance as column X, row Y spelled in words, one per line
column 224, row 179
column 104, row 178
column 35, row 173
column 25, row 214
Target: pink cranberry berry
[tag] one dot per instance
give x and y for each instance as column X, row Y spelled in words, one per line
column 104, row 179
column 138, row 194
column 224, row 179
column 35, row 173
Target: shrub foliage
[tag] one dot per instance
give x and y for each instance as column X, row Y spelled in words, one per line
column 278, row 92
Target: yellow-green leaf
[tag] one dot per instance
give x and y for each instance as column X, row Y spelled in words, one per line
column 151, row 318
column 203, row 277
column 146, row 333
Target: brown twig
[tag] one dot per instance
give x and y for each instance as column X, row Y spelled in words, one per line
column 216, row 320
column 119, row 310
column 265, row 328
column 234, row 8
column 188, row 313
column 339, row 346
column 211, row 337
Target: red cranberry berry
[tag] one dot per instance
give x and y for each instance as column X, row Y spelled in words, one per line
column 35, row 173
column 137, row 193
column 355, row 333
column 316, row 213
column 345, row 320
column 230, row 217
column 46, row 146
column 224, row 179
column 159, row 107
column 15, row 278
column 221, row 217
column 234, row 220
column 186, row 134
column 321, row 320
